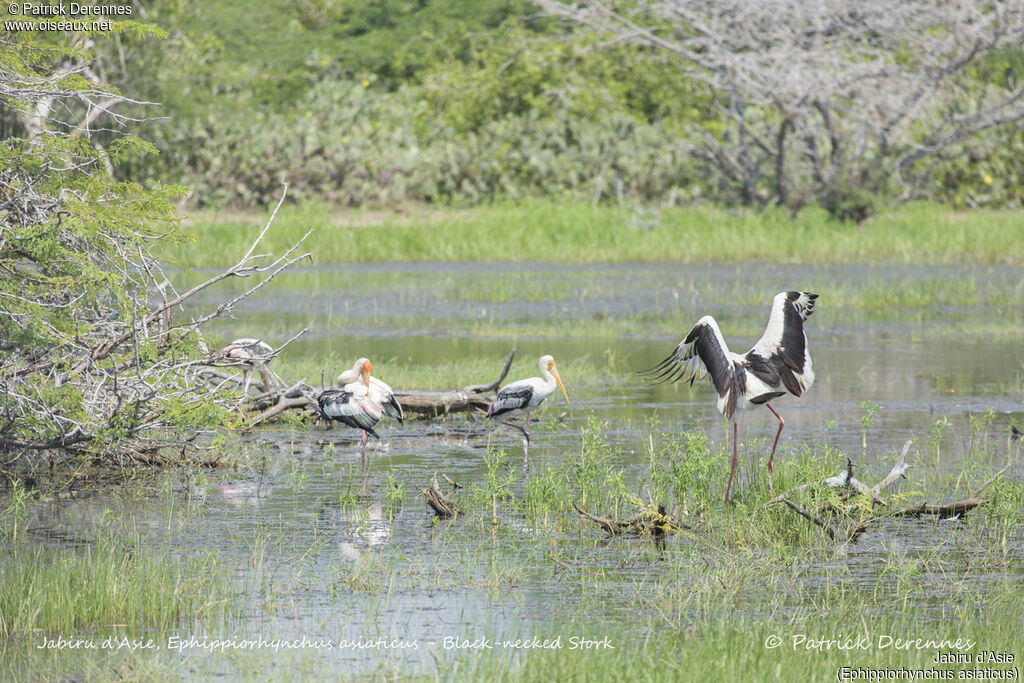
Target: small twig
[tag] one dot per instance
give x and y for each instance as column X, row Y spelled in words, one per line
column 561, row 564
column 605, row 523
column 991, row 480
column 818, row 521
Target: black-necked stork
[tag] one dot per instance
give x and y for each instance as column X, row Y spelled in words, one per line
column 352, row 405
column 250, row 354
column 779, row 363
column 378, row 391
column 525, row 395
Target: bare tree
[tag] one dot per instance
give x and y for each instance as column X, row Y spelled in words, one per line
column 97, row 355
column 831, row 101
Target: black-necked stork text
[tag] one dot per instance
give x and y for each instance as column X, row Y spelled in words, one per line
column 779, row 364
column 524, row 396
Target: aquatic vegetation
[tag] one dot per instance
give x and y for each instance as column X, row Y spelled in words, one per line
column 316, row 546
column 108, row 586
column 362, row 552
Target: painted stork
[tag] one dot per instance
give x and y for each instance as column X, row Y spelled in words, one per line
column 378, row 390
column 251, row 354
column 525, row 395
column 352, row 406
column 779, row 363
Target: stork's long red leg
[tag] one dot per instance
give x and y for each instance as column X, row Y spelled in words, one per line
column 782, row 423
column 728, row 488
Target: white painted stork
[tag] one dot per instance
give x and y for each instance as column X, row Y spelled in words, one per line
column 378, row 390
column 250, row 354
column 779, row 363
column 525, row 395
column 352, row 405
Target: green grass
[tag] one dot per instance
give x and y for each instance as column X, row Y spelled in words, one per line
column 705, row 603
column 733, row 649
column 464, row 372
column 102, row 587
column 577, row 232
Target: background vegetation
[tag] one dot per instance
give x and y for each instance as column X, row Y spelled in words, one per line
column 461, row 101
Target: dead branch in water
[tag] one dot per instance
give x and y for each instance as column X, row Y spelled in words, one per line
column 443, row 506
column 955, row 509
column 846, row 480
column 826, row 517
column 815, row 519
column 943, row 511
column 647, row 522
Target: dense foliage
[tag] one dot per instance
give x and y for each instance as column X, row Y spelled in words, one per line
column 461, row 101
column 93, row 361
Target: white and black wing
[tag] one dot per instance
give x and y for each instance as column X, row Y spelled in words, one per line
column 515, row 396
column 703, row 351
column 385, row 398
column 346, row 407
column 784, row 344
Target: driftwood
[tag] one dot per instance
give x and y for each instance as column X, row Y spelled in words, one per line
column 846, row 480
column 644, row 523
column 268, row 403
column 432, row 403
column 954, row 509
column 443, row 506
column 824, row 518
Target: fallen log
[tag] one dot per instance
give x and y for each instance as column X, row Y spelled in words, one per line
column 425, row 403
column 943, row 511
column 955, row 509
column 433, row 403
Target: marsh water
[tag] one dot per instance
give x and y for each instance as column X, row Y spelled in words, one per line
column 322, row 550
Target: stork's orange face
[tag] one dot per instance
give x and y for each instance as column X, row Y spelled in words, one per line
column 558, row 380
column 364, row 372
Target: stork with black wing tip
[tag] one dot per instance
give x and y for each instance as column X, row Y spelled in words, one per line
column 525, row 395
column 779, row 364
column 378, row 391
column 353, row 406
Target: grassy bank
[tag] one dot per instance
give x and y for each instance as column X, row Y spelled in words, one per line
column 104, row 587
column 576, row 232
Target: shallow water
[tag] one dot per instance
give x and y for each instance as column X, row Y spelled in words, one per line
column 324, row 535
